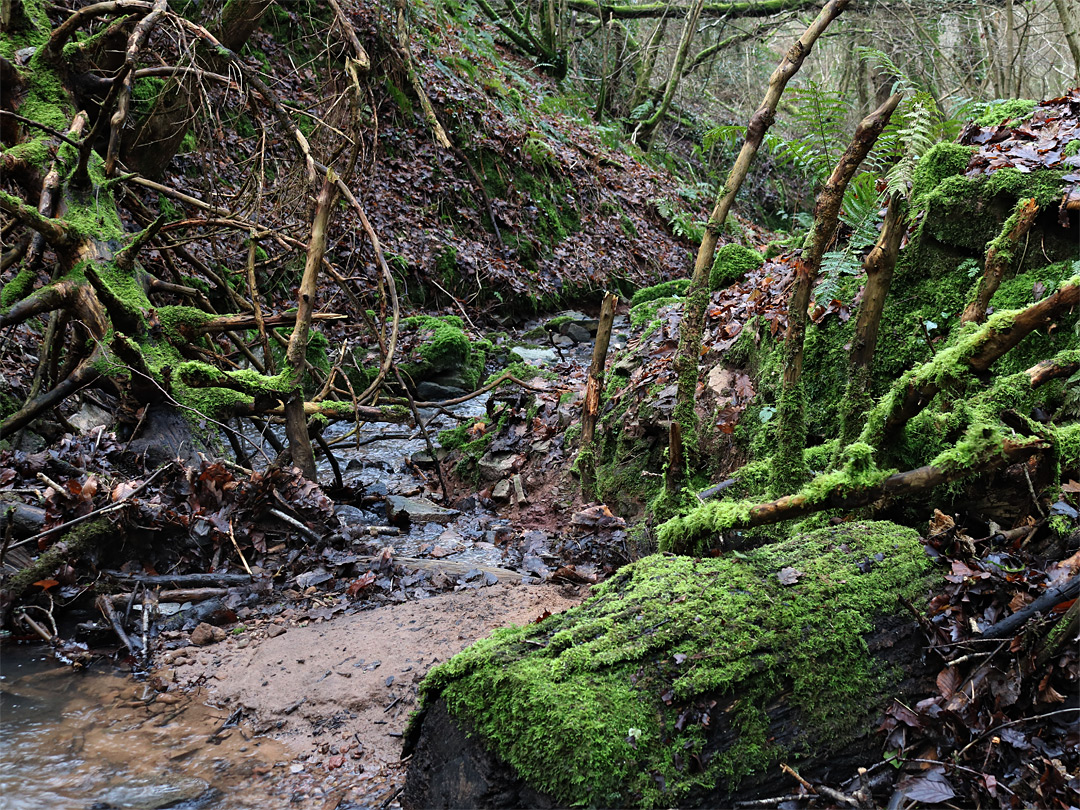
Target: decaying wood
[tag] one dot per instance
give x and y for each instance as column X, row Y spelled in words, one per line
column 1010, row 625
column 590, row 410
column 987, row 346
column 181, row 581
column 843, row 496
column 999, row 258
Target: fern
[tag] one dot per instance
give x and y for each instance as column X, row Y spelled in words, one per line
column 821, row 114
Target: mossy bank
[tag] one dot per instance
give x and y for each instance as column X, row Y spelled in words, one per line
column 674, row 681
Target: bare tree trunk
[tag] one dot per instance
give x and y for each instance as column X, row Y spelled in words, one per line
column 647, row 128
column 789, row 469
column 693, row 319
column 1070, row 22
column 295, row 358
column 643, row 83
column 593, row 387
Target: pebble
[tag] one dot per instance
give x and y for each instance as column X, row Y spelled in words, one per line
column 206, row 634
column 274, row 630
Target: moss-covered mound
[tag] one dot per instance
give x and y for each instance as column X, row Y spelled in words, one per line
column 667, row 685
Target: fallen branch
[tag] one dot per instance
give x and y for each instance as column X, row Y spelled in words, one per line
column 1054, row 596
column 975, row 353
column 695, row 532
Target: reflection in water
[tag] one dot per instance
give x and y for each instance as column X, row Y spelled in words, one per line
column 99, row 739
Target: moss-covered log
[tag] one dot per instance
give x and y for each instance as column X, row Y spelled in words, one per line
column 682, row 682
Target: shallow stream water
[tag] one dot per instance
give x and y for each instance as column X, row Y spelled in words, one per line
column 99, row 739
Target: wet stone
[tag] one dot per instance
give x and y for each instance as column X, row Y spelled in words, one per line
column 206, row 634
column 152, row 792
column 419, row 510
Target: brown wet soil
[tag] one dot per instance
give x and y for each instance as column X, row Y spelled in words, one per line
column 338, row 693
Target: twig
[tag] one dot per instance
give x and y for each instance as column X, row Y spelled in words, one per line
column 996, row 729
column 96, row 513
column 296, row 524
column 106, row 606
column 823, row 790
column 232, row 536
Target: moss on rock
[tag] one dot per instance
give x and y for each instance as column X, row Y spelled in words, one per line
column 732, row 262
column 605, row 704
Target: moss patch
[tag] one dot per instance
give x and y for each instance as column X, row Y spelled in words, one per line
column 732, row 262
column 607, row 704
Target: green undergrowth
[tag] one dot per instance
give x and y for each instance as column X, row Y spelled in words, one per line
column 732, row 262
column 678, row 660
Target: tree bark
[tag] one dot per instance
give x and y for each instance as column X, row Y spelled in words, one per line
column 789, row 469
column 1070, row 22
column 647, row 128
column 999, row 258
column 977, row 354
column 693, row 319
column 878, row 265
column 295, row 357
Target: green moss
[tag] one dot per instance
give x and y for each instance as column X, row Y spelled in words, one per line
column 586, row 705
column 1072, row 148
column 941, row 162
column 643, row 314
column 732, row 262
column 179, row 322
column 18, row 288
column 1013, row 112
column 666, row 289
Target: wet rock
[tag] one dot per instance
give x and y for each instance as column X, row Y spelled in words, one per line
column 152, row 792
column 428, row 391
column 90, row 416
column 577, row 333
column 519, row 490
column 563, row 341
column 426, row 460
column 494, row 466
column 419, row 510
column 542, row 357
column 204, row 635
column 349, row 515
column 501, row 491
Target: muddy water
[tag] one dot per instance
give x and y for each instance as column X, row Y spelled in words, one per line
column 99, row 739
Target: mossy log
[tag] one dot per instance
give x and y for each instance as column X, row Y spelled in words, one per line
column 683, row 682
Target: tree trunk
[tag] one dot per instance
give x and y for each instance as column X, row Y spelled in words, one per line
column 789, row 469
column 683, row 682
column 295, row 358
column 697, row 297
column 1070, row 22
column 593, row 386
column 647, row 128
column 878, row 265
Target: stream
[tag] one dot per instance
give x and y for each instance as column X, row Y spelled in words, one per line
column 100, row 739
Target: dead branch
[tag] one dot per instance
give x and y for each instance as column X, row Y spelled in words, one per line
column 977, row 353
column 999, row 257
column 683, row 535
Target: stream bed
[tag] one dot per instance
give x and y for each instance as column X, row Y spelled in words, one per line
column 99, row 739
